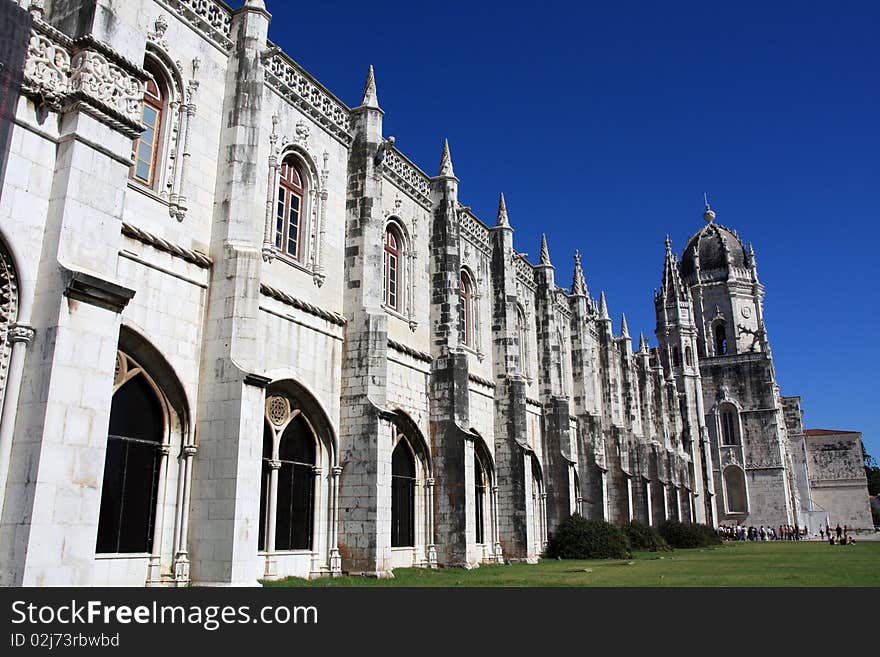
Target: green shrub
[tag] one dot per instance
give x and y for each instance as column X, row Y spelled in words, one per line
column 579, row 538
column 645, row 537
column 688, row 534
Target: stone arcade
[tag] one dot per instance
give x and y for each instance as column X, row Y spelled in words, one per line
column 244, row 337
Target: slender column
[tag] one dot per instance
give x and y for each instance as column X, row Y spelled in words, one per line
column 19, row 336
column 271, row 512
column 155, row 570
column 432, row 548
column 181, row 560
column 650, row 503
column 497, row 552
column 318, row 485
column 335, row 558
column 666, row 501
column 268, row 250
column 629, row 498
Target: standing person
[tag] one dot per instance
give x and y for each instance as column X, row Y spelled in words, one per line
column 838, row 531
column 821, row 534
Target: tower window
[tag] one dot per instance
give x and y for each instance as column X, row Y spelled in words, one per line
column 391, row 268
column 720, row 339
column 403, row 496
column 289, row 210
column 688, row 357
column 466, row 310
column 676, row 357
column 729, row 425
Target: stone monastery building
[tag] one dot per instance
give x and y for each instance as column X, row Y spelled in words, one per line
column 242, row 336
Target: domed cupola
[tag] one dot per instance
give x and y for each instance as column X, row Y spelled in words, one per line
column 712, row 248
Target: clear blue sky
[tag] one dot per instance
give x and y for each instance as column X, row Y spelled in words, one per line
column 604, row 123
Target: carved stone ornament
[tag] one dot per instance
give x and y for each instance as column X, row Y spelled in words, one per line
column 107, row 83
column 158, row 33
column 47, row 67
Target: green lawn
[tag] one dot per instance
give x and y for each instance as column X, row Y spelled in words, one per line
column 735, row 564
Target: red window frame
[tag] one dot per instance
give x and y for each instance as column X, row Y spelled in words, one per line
column 146, row 147
column 391, row 269
column 289, row 210
column 464, row 294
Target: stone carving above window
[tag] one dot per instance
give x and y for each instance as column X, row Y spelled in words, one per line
column 63, row 75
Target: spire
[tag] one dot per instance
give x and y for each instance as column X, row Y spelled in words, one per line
column 370, row 98
column 672, row 288
column 603, row 307
column 643, row 343
column 624, row 329
column 502, row 212
column 545, row 253
column 578, row 283
column 446, row 161
column 709, row 214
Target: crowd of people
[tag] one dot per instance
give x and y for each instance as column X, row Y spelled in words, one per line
column 840, row 535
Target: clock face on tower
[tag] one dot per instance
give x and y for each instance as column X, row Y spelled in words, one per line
column 746, row 311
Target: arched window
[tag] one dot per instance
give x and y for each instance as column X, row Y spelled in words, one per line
column 481, row 484
column 676, row 357
column 148, row 146
column 391, row 271
column 735, row 489
column 466, row 310
column 523, row 340
column 688, row 357
column 720, row 339
column 403, row 495
column 131, row 467
column 288, row 514
column 729, row 424
column 290, row 210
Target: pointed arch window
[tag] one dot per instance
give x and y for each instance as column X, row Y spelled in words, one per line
column 481, row 485
column 287, row 505
column 720, row 339
column 131, row 466
column 403, row 495
column 147, row 147
column 729, row 425
column 392, row 269
column 466, row 309
column 688, row 357
column 290, row 209
column 523, row 339
column 735, row 492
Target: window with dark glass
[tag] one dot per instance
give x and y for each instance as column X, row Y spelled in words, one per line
column 688, row 357
column 391, row 269
column 720, row 339
column 728, row 427
column 480, row 482
column 147, row 145
column 296, row 483
column 676, row 357
column 403, row 496
column 131, row 469
column 289, row 210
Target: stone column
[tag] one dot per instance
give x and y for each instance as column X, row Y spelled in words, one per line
column 58, row 444
column 226, row 476
column 20, row 336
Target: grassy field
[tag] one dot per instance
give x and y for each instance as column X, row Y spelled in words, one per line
column 734, row 564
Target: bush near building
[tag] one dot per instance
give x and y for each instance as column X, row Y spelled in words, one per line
column 645, row 537
column 579, row 538
column 688, row 534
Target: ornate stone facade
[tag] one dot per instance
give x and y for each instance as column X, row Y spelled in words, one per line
column 365, row 378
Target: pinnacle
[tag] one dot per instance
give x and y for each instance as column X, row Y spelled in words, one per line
column 578, row 283
column 603, row 306
column 624, row 329
column 502, row 212
column 545, row 252
column 446, row 161
column 370, row 99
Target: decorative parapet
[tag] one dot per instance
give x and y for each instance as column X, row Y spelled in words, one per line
column 409, row 351
column 283, row 297
column 474, row 230
column 212, row 19
column 562, row 305
column 65, row 75
column 303, row 91
column 194, row 257
column 406, row 175
column 525, row 273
